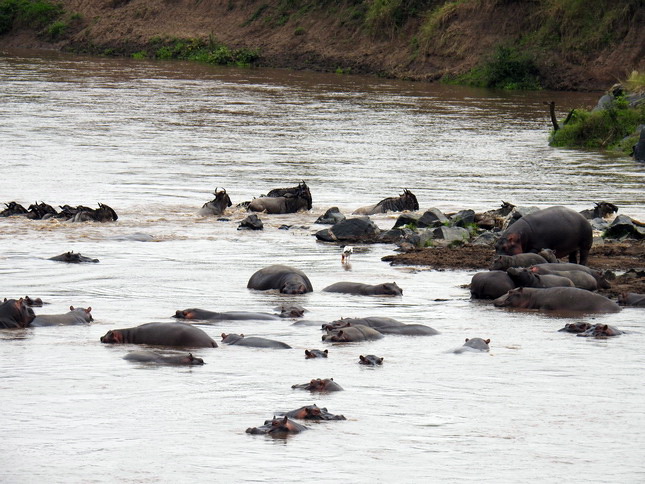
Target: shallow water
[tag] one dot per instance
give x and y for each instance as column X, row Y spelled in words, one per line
column 153, row 140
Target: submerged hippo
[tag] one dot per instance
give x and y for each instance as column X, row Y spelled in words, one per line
column 287, row 280
column 277, row 427
column 74, row 316
column 577, row 327
column 15, row 314
column 561, row 229
column 316, row 354
column 161, row 334
column 490, row 285
column 406, row 201
column 320, row 385
column 383, row 289
column 196, row 313
column 252, row 341
column 474, row 344
column 600, row 331
column 72, row 258
column 371, row 360
column 565, row 299
column 632, row 298
column 33, row 302
column 525, row 259
column 352, row 334
column 313, row 412
column 159, row 359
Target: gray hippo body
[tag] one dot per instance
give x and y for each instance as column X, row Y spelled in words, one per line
column 358, row 288
column 580, row 279
column 525, row 259
column 352, row 334
column 252, row 341
column 159, row 359
column 287, row 280
column 560, row 229
column 320, row 385
column 74, row 316
column 632, row 299
column 203, row 314
column 490, row 285
column 474, row 345
column 277, row 427
column 383, row 325
column 523, row 277
column 569, row 266
column 15, row 314
column 161, row 334
column 563, row 299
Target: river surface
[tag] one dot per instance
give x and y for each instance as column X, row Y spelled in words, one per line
column 153, row 140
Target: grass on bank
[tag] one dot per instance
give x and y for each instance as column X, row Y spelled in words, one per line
column 34, row 14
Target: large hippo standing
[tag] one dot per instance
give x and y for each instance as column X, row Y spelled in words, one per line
column 159, row 359
column 490, row 285
column 74, row 316
column 161, row 334
column 560, row 229
column 252, row 341
column 287, row 280
column 203, row 314
column 564, row 299
column 14, row 313
column 358, row 288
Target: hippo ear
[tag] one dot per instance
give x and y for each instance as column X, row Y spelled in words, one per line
column 242, row 335
column 71, row 308
column 362, row 358
column 223, row 335
column 487, row 341
column 326, row 351
column 467, row 340
column 89, row 309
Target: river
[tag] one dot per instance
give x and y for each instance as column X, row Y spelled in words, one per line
column 153, row 140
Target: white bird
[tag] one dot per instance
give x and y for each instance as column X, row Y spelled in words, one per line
column 347, row 251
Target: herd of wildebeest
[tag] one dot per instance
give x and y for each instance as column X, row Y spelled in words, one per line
column 525, row 273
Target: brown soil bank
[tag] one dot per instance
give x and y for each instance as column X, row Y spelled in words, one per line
column 564, row 44
column 625, row 259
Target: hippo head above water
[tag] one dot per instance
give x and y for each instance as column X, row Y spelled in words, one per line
column 293, row 288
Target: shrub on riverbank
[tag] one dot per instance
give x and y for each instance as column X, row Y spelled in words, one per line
column 34, row 14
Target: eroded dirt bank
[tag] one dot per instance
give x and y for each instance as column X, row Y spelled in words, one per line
column 333, row 36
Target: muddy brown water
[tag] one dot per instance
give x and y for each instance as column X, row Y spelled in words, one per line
column 153, row 140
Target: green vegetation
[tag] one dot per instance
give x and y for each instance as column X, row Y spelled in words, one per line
column 209, row 50
column 34, row 14
column 612, row 128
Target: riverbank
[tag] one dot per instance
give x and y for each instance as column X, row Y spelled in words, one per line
column 469, row 41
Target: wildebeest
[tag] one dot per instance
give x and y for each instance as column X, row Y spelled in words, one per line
column 284, row 200
column 217, row 205
column 405, row 201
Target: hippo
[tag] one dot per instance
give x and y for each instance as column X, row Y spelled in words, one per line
column 15, row 314
column 580, row 279
column 376, row 322
column 283, row 200
column 320, row 385
column 33, row 302
column 158, row 358
column 196, row 313
column 577, row 327
column 526, row 259
column 548, row 255
column 561, row 229
column 277, row 427
column 74, row 316
column 564, row 299
column 291, row 311
column 352, row 334
column 216, row 206
column 252, row 341
column 287, row 280
column 474, row 345
column 406, row 201
column 72, row 258
column 600, row 331
column 370, row 360
column 358, row 288
column 632, row 299
column 490, row 285
column 13, row 208
column 523, row 277
column 316, row 354
column 313, row 412
column 161, row 334
column 602, row 282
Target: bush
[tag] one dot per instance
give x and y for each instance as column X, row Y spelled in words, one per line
column 34, row 14
column 507, row 68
